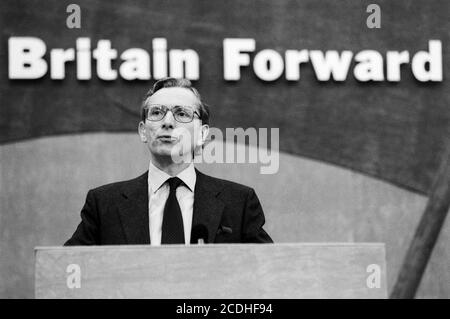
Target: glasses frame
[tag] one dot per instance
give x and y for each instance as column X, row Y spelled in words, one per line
column 166, row 109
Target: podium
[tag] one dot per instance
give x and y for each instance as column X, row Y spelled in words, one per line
column 246, row 271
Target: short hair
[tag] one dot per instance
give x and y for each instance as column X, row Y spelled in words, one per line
column 181, row 83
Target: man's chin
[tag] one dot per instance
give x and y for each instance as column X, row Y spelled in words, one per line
column 164, row 151
column 173, row 152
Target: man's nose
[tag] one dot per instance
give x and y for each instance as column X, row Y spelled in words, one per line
column 168, row 120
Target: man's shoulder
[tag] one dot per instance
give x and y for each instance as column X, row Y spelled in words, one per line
column 223, row 185
column 121, row 186
column 208, row 182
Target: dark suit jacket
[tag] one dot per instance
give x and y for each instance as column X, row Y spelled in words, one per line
column 117, row 214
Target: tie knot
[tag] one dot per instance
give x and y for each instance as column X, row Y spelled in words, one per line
column 174, row 182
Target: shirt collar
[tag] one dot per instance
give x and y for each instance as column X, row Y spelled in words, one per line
column 157, row 177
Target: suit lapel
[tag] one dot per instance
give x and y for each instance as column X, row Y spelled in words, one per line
column 208, row 208
column 133, row 208
column 133, row 211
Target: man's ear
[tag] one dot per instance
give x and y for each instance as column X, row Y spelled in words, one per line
column 203, row 135
column 141, row 131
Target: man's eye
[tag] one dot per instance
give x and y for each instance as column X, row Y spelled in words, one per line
column 183, row 113
column 155, row 112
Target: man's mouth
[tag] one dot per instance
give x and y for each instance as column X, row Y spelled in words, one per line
column 167, row 138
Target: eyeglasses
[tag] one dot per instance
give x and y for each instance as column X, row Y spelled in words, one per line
column 182, row 114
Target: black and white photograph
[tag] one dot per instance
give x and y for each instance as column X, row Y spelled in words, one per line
column 224, row 154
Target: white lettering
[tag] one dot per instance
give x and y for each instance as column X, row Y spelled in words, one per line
column 136, row 65
column 370, row 66
column 434, row 60
column 233, row 58
column 25, row 56
column 104, row 54
column 293, row 60
column 58, row 59
column 159, row 58
column 184, row 63
column 83, row 59
column 331, row 64
column 394, row 60
column 268, row 65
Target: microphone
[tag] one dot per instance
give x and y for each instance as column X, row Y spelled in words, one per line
column 199, row 234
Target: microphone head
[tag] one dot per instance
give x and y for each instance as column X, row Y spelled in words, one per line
column 199, row 233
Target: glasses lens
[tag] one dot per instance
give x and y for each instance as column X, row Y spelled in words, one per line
column 183, row 114
column 156, row 113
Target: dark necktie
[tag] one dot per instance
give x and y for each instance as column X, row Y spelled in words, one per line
column 172, row 225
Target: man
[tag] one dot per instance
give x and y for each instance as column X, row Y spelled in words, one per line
column 172, row 203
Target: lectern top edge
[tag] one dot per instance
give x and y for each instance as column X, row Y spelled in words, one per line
column 116, row 247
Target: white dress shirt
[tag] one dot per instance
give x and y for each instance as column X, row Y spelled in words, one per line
column 158, row 192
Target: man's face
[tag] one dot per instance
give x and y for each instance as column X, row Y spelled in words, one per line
column 168, row 137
